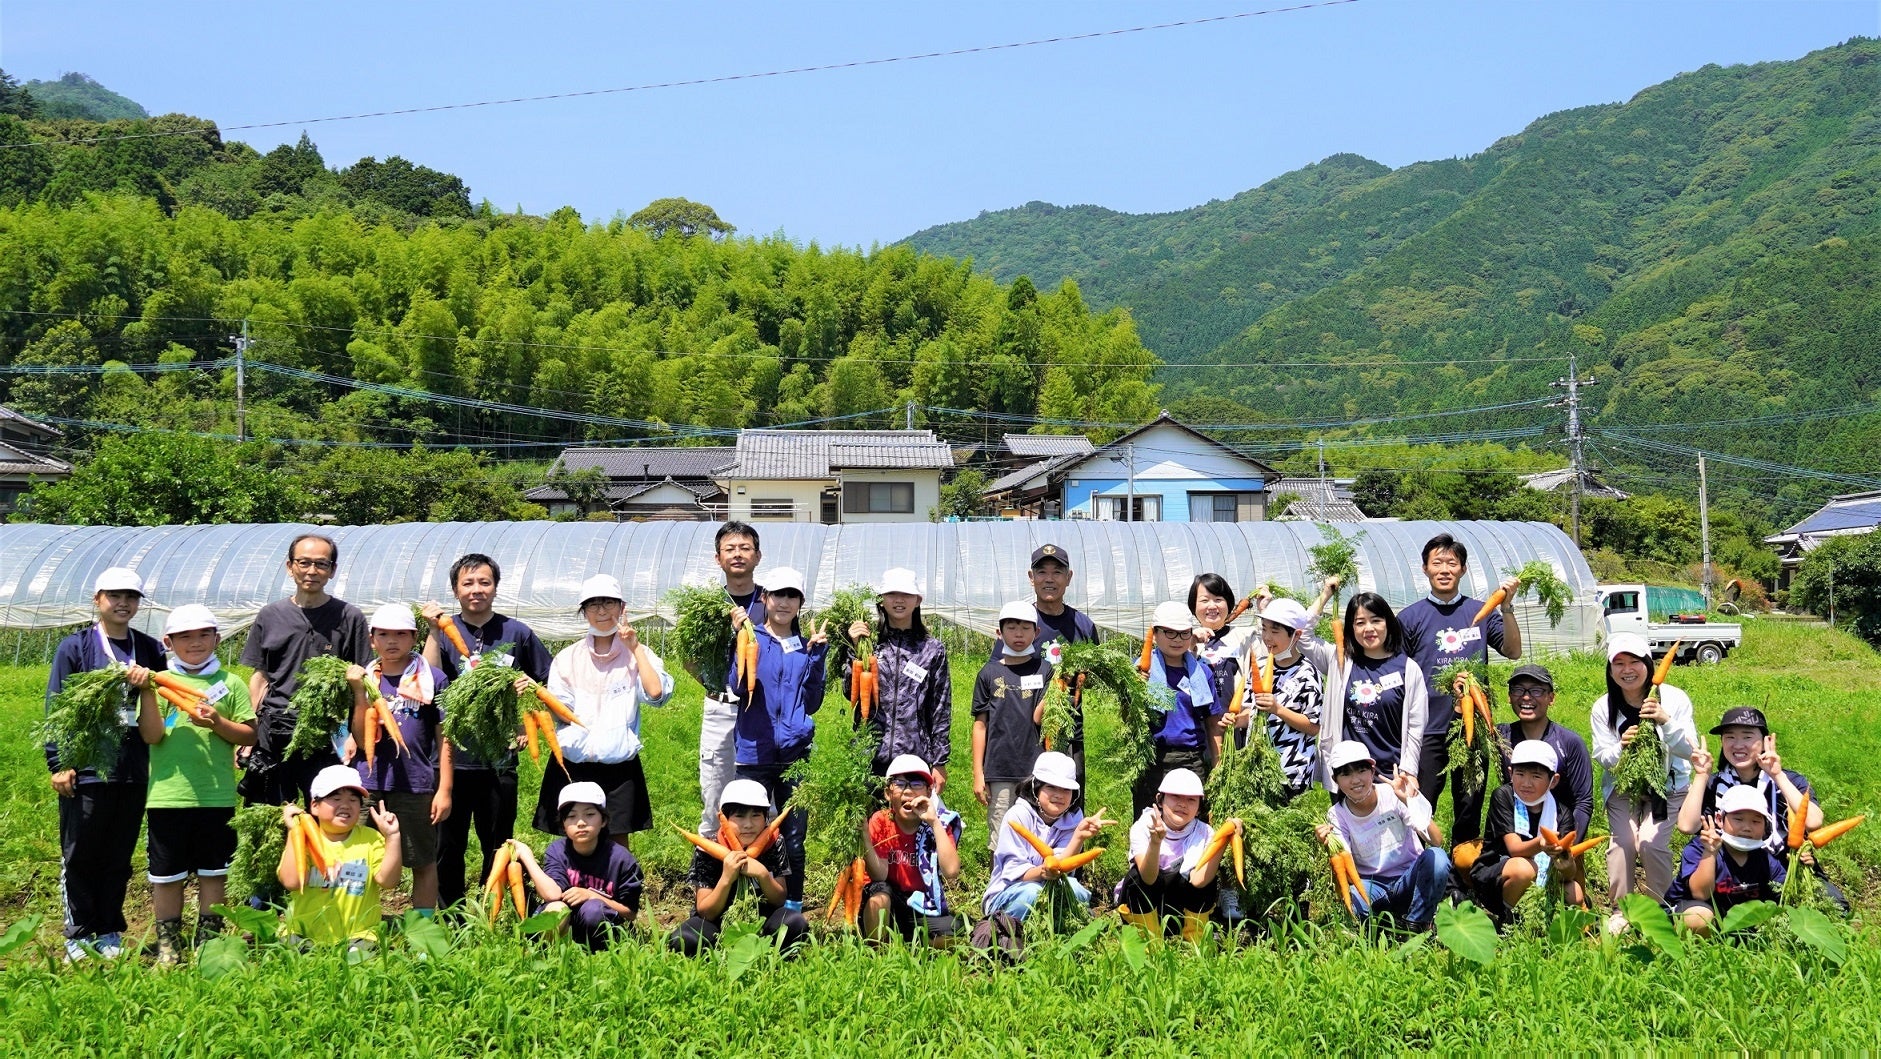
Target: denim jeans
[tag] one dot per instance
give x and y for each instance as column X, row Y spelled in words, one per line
column 1411, row 896
column 1017, row 900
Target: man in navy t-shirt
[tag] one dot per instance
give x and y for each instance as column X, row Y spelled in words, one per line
column 1059, row 623
column 1438, row 631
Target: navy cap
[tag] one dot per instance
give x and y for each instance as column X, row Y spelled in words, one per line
column 1742, row 717
column 1532, row 672
column 1052, row 552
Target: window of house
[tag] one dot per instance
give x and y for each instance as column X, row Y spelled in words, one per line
column 878, row 498
column 1113, row 508
column 1219, row 507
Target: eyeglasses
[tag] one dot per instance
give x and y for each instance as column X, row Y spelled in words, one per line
column 1530, row 691
column 908, row 783
column 311, row 564
column 1178, row 634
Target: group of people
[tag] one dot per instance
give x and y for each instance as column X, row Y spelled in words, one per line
column 1366, row 723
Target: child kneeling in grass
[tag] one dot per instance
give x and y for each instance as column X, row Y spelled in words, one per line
column 1170, row 887
column 1728, row 864
column 342, row 903
column 596, row 881
column 1394, row 843
column 717, row 884
column 192, row 778
column 912, row 851
column 1515, row 854
column 1043, row 807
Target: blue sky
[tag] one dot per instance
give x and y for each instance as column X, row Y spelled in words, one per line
column 1140, row 122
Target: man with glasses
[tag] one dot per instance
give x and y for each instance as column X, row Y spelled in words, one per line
column 285, row 635
column 1531, row 693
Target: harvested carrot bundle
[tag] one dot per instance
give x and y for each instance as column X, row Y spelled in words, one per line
column 1219, row 841
column 1822, row 836
column 546, row 725
column 1038, row 844
column 172, row 682
column 516, row 889
column 493, row 886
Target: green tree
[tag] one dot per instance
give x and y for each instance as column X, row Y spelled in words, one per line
column 1843, row 575
column 961, row 497
column 401, row 185
column 679, row 216
column 161, row 479
column 24, row 171
column 585, row 488
column 15, row 100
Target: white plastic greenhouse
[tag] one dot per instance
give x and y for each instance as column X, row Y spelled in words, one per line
column 970, row 569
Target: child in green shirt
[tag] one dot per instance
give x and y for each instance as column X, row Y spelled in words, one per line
column 204, row 715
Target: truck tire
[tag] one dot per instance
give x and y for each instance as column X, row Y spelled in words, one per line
column 1709, row 654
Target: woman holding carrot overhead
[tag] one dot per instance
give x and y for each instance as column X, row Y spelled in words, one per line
column 605, row 678
column 906, row 679
column 1641, row 823
column 1041, row 840
column 776, row 725
column 1378, row 696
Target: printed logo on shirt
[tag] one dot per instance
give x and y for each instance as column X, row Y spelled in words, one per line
column 1450, row 641
column 913, row 672
column 1366, row 692
column 1035, row 682
column 1055, row 653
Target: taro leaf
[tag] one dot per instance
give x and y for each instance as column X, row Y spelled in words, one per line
column 1819, row 932
column 543, row 922
column 1133, row 943
column 1654, row 925
column 18, row 934
column 425, row 935
column 1746, row 916
column 1570, row 924
column 1083, row 938
column 1467, row 931
column 1414, row 946
column 263, row 924
column 740, row 946
column 220, row 955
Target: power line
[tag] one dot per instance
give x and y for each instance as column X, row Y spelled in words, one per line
column 699, row 81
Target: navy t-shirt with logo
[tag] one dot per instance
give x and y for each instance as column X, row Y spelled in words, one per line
column 1438, row 634
column 1374, row 708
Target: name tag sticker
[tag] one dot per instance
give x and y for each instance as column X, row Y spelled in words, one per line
column 913, row 672
column 1183, row 686
column 215, row 693
column 1035, row 682
column 792, row 643
column 1391, row 680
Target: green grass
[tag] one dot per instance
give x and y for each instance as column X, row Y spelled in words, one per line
column 1319, row 990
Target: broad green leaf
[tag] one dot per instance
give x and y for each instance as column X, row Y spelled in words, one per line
column 1570, row 924
column 1133, row 943
column 426, row 935
column 262, row 923
column 742, row 953
column 1745, row 916
column 1082, row 939
column 1819, row 932
column 1649, row 917
column 1467, row 931
column 543, row 922
column 1414, row 946
column 19, row 934
column 219, row 956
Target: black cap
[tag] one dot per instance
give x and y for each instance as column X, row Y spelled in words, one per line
column 1531, row 671
column 1052, row 552
column 1742, row 717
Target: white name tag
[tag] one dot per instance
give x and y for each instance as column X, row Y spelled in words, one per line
column 1183, row 686
column 792, row 643
column 215, row 693
column 1035, row 682
column 1471, row 634
column 913, row 672
column 1391, row 680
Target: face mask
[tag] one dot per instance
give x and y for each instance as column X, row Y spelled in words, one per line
column 1742, row 844
column 599, row 633
column 1536, row 804
column 1027, row 653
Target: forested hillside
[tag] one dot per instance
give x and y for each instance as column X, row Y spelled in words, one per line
column 1708, row 248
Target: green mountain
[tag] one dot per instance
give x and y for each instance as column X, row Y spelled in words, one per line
column 1708, row 247
column 75, row 95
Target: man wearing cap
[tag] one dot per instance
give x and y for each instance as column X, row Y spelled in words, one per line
column 192, row 777
column 483, row 793
column 911, row 849
column 286, row 633
column 1437, row 633
column 1059, row 623
column 735, row 548
column 1008, row 705
column 605, row 678
column 99, row 815
column 1729, row 863
column 1531, row 696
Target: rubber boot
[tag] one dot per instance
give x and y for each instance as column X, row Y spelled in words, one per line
column 171, row 949
column 208, row 926
column 1194, row 925
column 1146, row 921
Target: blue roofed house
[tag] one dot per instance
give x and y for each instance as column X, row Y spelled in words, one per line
column 1850, row 514
column 1163, row 471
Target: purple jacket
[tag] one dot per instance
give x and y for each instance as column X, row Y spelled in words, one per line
column 916, row 711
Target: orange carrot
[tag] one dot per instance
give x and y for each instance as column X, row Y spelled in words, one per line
column 1469, row 725
column 728, row 834
column 516, row 889
column 1266, row 686
column 546, row 725
column 1665, row 664
column 531, row 735
column 768, row 835
column 315, row 843
column 1579, row 848
column 1149, row 645
column 1799, row 824
column 181, row 702
column 1548, row 836
column 370, row 743
column 388, row 721
column 1489, row 719
column 165, row 679
column 1358, row 881
column 1568, row 840
column 449, row 628
column 1239, row 845
column 561, row 711
column 1032, row 840
column 1489, row 605
column 1338, row 640
column 1342, row 883
column 1220, row 840
column 297, row 857
column 716, row 850
column 1240, row 609
column 859, row 881
column 1074, row 861
column 1822, row 836
column 493, row 886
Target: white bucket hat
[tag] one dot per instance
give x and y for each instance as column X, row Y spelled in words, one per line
column 393, row 617
column 900, row 579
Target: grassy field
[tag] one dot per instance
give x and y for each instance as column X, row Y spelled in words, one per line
column 1316, row 989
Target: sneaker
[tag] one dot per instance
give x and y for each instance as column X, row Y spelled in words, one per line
column 77, row 949
column 110, row 946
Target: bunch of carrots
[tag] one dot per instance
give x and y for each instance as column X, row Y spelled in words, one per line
column 1565, row 845
column 1475, row 702
column 379, row 718
column 507, row 868
column 1053, row 860
column 865, row 681
column 1345, row 875
column 308, row 848
column 1263, row 684
column 176, row 691
column 556, row 707
column 538, row 728
column 745, row 657
column 1227, row 833
column 1799, row 828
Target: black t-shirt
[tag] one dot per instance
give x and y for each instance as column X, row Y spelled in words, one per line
column 706, row 869
column 283, row 638
column 1005, row 694
column 1502, row 821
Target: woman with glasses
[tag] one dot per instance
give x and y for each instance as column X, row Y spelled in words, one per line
column 1184, row 732
column 604, row 677
column 1377, row 696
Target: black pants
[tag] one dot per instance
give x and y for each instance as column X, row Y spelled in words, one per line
column 487, row 799
column 1162, row 762
column 1168, row 898
column 98, row 828
column 698, row 933
column 1466, row 810
column 796, row 825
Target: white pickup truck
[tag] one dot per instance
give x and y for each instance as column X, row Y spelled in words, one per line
column 1665, row 616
